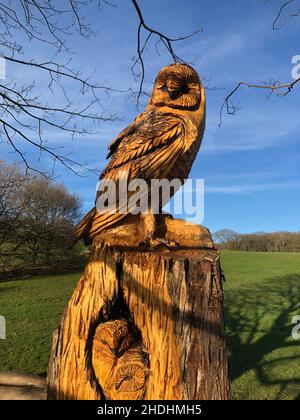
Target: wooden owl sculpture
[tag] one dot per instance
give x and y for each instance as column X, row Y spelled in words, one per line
column 161, row 143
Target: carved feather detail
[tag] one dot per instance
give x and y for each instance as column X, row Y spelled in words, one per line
column 162, row 142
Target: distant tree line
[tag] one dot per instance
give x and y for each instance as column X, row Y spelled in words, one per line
column 36, row 220
column 259, row 242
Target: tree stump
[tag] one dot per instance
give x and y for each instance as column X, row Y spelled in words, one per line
column 144, row 324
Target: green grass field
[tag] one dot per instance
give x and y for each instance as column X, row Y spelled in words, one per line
column 262, row 293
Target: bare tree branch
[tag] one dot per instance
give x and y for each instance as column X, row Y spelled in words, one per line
column 276, row 24
column 274, row 87
column 24, row 115
column 164, row 39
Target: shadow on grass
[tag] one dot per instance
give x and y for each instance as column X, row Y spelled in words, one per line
column 6, row 289
column 259, row 323
column 36, row 276
column 27, row 273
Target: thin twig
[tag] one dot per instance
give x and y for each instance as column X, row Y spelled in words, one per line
column 164, row 39
column 280, row 12
column 280, row 89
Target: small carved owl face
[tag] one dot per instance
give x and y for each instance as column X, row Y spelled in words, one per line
column 177, row 86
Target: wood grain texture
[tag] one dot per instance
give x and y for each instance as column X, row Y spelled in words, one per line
column 146, row 321
column 70, row 374
column 161, row 143
column 143, row 325
column 176, row 301
column 130, row 233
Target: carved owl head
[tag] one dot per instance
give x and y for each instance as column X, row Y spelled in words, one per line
column 177, row 86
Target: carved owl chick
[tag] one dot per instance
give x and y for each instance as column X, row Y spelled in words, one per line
column 162, row 142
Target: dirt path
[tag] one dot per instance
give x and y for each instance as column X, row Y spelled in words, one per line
column 17, row 386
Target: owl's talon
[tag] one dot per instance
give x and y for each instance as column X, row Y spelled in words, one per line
column 146, row 243
column 158, row 242
column 169, row 243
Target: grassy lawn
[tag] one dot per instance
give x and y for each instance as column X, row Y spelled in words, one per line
column 32, row 309
column 262, row 293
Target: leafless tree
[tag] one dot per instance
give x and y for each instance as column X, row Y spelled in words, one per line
column 24, row 116
column 12, row 204
column 223, row 236
column 47, row 221
column 37, row 217
column 258, row 242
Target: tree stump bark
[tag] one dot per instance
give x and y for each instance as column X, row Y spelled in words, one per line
column 144, row 324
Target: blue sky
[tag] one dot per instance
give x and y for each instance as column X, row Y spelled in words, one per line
column 251, row 164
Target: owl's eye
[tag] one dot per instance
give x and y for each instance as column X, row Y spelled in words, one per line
column 164, row 88
column 185, row 89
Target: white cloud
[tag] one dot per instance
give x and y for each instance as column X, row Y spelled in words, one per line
column 250, row 189
column 251, row 131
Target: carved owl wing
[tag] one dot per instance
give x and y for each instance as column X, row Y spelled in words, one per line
column 147, row 149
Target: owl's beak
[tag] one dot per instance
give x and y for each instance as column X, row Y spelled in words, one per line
column 173, row 93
